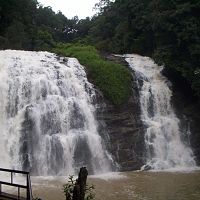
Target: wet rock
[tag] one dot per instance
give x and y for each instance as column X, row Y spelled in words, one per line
column 146, row 167
column 124, row 130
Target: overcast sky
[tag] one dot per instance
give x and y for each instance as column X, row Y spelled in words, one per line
column 70, row 8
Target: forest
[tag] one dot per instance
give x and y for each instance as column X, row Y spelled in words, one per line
column 168, row 31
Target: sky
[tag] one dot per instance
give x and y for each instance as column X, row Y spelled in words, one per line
column 70, row 8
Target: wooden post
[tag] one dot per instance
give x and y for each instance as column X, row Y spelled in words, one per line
column 11, row 177
column 80, row 186
column 76, row 192
column 28, row 187
column 18, row 192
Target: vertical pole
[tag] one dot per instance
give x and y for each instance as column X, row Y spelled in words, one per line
column 18, row 192
column 11, row 177
column 28, row 189
column 0, row 189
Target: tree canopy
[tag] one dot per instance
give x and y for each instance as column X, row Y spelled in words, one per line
column 25, row 24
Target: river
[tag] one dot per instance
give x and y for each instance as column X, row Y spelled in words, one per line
column 129, row 185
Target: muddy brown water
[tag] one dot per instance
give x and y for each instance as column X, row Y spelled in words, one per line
column 130, row 185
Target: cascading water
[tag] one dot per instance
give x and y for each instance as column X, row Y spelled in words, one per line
column 47, row 117
column 164, row 145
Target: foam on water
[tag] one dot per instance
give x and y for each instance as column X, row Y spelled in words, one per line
column 109, row 176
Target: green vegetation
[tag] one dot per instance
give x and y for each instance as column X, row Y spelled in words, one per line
column 68, row 189
column 112, row 79
column 27, row 25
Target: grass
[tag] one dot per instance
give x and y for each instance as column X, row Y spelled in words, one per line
column 114, row 80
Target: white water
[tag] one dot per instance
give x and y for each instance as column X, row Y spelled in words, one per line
column 164, row 145
column 47, row 119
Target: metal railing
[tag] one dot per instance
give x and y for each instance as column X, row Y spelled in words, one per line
column 19, row 186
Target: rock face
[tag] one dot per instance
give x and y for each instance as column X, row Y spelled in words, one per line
column 122, row 129
column 187, row 108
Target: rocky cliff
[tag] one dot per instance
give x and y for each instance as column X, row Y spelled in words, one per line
column 122, row 129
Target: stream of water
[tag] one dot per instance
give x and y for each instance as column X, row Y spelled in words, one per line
column 166, row 147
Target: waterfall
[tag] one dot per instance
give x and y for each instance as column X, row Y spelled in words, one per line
column 47, row 115
column 165, row 147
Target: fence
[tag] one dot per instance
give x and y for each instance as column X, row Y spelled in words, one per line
column 28, row 188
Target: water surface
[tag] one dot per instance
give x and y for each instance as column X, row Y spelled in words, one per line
column 131, row 185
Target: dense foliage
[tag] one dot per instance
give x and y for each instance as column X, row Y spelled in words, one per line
column 25, row 24
column 112, row 79
column 169, row 31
